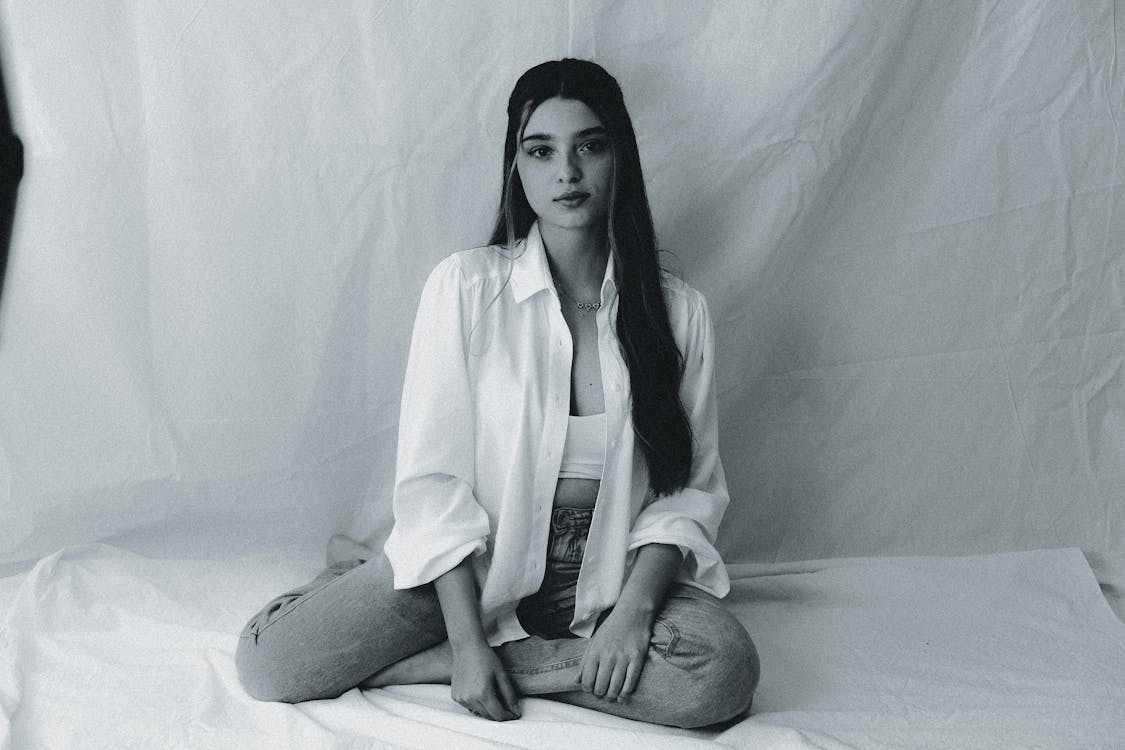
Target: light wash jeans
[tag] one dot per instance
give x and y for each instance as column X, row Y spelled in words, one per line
column 328, row 636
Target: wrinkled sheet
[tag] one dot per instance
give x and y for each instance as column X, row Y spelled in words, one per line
column 104, row 648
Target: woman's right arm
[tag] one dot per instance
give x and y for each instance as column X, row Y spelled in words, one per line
column 439, row 524
column 438, row 520
column 478, row 680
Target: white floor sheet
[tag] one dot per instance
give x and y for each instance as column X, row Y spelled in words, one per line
column 104, row 648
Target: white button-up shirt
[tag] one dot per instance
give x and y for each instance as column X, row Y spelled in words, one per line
column 483, row 420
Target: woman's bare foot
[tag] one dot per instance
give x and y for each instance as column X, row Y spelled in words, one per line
column 432, row 666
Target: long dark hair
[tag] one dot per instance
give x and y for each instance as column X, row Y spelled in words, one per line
column 654, row 361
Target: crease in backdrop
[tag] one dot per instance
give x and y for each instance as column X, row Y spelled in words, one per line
column 907, row 217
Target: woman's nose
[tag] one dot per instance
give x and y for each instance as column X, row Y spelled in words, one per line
column 568, row 169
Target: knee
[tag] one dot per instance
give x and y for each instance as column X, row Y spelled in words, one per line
column 267, row 678
column 738, row 677
column 255, row 673
column 720, row 676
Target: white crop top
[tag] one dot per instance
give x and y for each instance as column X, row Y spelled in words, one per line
column 583, row 454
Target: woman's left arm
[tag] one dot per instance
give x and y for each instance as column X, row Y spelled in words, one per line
column 689, row 518
column 673, row 536
column 615, row 656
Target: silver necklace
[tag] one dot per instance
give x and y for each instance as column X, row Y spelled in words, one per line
column 591, row 306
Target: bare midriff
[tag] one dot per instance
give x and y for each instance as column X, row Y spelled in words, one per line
column 576, row 493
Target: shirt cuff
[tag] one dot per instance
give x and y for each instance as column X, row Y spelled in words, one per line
column 410, row 570
column 702, row 568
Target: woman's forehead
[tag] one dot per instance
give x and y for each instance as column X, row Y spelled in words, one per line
column 561, row 118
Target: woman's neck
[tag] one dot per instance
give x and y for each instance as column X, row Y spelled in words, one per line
column 577, row 258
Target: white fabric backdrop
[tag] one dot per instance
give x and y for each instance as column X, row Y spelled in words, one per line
column 909, row 218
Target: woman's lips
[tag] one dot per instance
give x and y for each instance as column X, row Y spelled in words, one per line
column 572, row 200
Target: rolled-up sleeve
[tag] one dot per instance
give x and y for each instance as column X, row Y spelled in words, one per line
column 438, row 521
column 690, row 517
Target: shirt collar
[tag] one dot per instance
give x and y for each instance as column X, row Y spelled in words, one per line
column 531, row 274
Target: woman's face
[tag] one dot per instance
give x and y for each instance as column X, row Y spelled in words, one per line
column 565, row 162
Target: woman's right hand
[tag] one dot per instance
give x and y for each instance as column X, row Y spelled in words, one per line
column 477, row 680
column 480, row 684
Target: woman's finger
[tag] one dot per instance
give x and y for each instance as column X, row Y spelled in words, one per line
column 471, row 706
column 508, row 694
column 632, row 676
column 589, row 672
column 616, row 680
column 493, row 709
column 605, row 674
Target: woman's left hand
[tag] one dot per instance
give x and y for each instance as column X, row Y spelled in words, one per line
column 616, row 655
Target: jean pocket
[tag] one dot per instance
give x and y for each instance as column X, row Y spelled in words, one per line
column 665, row 637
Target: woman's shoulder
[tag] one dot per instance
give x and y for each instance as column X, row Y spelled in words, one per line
column 681, row 297
column 474, row 266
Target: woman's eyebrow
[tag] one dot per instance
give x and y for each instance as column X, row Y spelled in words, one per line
column 596, row 130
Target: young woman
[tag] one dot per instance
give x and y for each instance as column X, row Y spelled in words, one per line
column 558, row 484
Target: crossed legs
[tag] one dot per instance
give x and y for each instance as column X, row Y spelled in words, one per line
column 349, row 627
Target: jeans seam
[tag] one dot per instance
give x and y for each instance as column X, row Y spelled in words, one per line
column 554, row 667
column 256, row 630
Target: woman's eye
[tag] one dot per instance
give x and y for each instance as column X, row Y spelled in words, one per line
column 539, row 152
column 594, row 147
